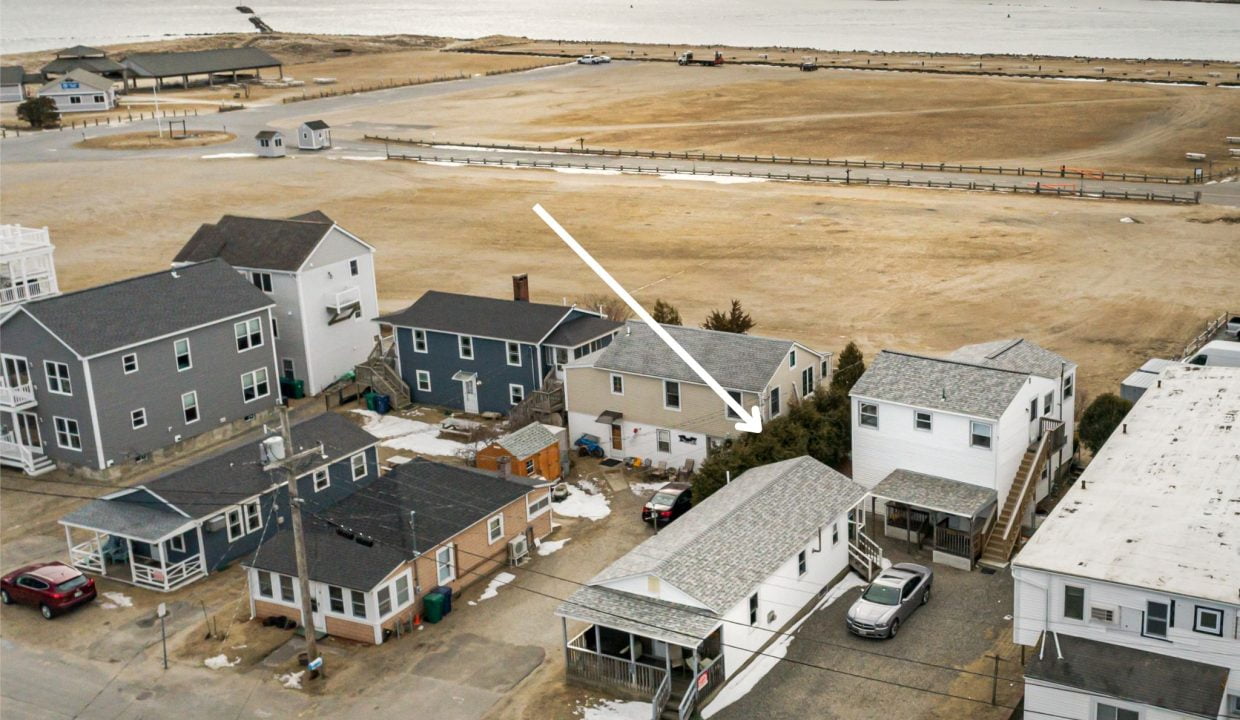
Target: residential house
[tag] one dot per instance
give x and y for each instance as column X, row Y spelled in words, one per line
column 480, row 354
column 321, row 278
column 957, row 450
column 80, row 91
column 1127, row 592
column 314, row 135
column 644, row 401
column 532, row 451
column 685, row 610
column 185, row 524
column 26, row 268
column 137, row 368
column 373, row 556
column 12, row 83
column 269, row 144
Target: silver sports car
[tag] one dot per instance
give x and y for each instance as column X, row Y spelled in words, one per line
column 890, row 599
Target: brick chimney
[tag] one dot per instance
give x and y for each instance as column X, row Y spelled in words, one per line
column 521, row 287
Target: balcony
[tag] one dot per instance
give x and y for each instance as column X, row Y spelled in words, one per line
column 344, row 304
column 17, row 397
column 31, row 460
column 26, row 269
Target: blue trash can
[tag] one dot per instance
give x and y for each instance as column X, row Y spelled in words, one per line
column 446, row 592
column 383, row 404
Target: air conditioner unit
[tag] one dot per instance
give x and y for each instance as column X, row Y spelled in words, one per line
column 518, row 550
column 1101, row 614
column 216, row 523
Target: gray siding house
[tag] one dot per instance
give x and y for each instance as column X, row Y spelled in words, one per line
column 102, row 377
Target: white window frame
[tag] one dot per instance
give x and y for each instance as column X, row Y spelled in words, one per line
column 244, row 333
column 445, row 559
column 465, row 347
column 419, row 338
column 495, row 529
column 537, row 506
column 126, row 360
column 275, row 329
column 516, row 394
column 774, row 401
column 1199, row 611
column 380, row 595
column 335, row 594
column 1067, row 386
column 617, row 380
column 974, row 435
column 176, row 543
column 661, row 445
column 1167, row 620
column 928, row 417
column 511, row 348
column 807, row 381
column 423, row 380
column 262, row 280
column 1048, row 402
column 835, row 534
column 264, row 575
column 280, row 582
column 188, row 354
column 802, row 563
column 56, row 383
column 1085, row 609
column 862, row 414
column 667, row 385
column 137, row 418
column 401, row 586
column 1114, row 706
column 193, row 394
column 353, row 605
column 76, row 433
column 253, row 375
column 231, row 514
column 321, row 479
column 792, row 359
column 253, row 513
column 355, row 466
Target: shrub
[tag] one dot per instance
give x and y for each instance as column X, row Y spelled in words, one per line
column 1101, row 418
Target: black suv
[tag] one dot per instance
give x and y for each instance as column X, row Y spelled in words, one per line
column 669, row 502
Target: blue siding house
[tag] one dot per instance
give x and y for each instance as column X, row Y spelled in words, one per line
column 183, row 525
column 480, row 354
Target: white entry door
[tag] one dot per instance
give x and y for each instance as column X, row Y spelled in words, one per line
column 316, row 608
column 469, row 389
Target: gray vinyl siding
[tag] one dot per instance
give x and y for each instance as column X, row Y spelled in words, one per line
column 215, row 374
column 443, row 360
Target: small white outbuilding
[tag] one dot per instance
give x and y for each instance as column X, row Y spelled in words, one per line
column 314, row 135
column 270, row 143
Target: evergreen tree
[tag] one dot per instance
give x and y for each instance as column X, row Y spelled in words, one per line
column 40, row 112
column 1101, row 418
column 848, row 369
column 735, row 320
column 665, row 314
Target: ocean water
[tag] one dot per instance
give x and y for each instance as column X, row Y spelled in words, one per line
column 1096, row 28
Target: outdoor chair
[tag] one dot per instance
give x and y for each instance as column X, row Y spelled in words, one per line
column 687, row 469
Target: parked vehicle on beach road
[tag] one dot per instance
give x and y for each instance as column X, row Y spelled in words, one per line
column 590, row 60
column 890, row 600
column 52, row 587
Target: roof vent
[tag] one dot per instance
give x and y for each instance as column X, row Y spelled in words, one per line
column 175, row 275
column 364, row 541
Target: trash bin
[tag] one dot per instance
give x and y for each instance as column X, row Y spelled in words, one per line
column 299, row 389
column 383, row 404
column 370, row 400
column 446, row 593
column 432, row 607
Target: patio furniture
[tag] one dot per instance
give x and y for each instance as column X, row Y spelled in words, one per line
column 687, row 469
column 659, row 470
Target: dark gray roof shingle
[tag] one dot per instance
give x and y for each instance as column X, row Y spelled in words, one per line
column 266, row 134
column 934, row 493
column 317, row 125
column 939, row 384
column 12, row 75
column 267, row 244
column 1113, row 670
column 1016, row 354
column 146, row 307
column 330, row 557
column 128, row 519
column 526, row 322
column 100, row 65
column 168, row 64
column 649, row 617
column 580, row 330
column 80, row 51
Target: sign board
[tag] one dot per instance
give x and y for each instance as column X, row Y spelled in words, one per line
column 1197, row 173
column 315, row 664
column 70, row 85
column 162, row 611
column 702, row 681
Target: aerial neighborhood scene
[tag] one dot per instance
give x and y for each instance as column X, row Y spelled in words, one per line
column 620, row 361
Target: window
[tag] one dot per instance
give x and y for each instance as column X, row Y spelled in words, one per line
column 419, row 341
column 807, row 381
column 98, row 98
column 253, row 516
column 249, row 334
column 402, row 591
column 335, row 599
column 663, row 440
column 75, row 99
column 129, row 363
column 1233, row 704
column 322, row 480
column 57, row 377
column 516, row 393
column 445, row 564
column 262, row 280
column 189, row 405
column 177, row 544
column 275, row 328
column 288, row 370
column 180, row 348
column 286, row 588
column 357, row 604
column 825, row 370
column 1074, row 602
column 529, row 466
column 465, row 346
column 727, row 409
column 423, row 380
column 1208, row 620
column 1047, row 402
column 1111, row 712
column 137, row 418
column 671, row 395
column 235, row 523
column 1157, row 619
column 800, row 563
column 923, row 420
column 264, row 584
column 358, row 465
column 68, row 436
column 495, row 529
column 264, row 142
column 617, row 384
column 1067, row 386
column 279, row 142
column 979, row 435
column 753, row 609
column 867, row 414
column 385, row 600
column 353, row 268
column 254, row 385
column 538, row 506
column 792, row 358
column 835, row 534
column 774, row 401
column 514, row 353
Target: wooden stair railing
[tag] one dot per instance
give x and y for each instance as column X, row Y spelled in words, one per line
column 1005, row 531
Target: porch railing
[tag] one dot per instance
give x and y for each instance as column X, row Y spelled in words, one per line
column 661, row 696
column 955, row 542
column 16, row 395
column 170, row 577
column 608, row 671
column 87, row 556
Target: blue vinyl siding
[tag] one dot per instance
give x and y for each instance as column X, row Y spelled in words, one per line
column 442, row 360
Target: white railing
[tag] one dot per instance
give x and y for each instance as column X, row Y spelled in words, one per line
column 30, row 290
column 15, row 239
column 14, row 451
column 170, row 577
column 16, row 395
column 661, row 696
column 87, row 556
column 1026, row 486
column 338, row 301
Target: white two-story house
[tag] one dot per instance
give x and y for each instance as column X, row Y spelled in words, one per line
column 643, row 401
column 1128, row 591
column 322, row 279
column 957, row 450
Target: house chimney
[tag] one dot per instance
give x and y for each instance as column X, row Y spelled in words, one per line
column 521, row 287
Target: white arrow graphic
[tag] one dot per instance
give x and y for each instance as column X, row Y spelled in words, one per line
column 751, row 420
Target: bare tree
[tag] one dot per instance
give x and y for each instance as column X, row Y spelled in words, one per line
column 612, row 307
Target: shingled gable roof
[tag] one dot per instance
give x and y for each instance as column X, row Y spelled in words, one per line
column 82, row 77
column 939, row 384
column 168, row 64
column 1016, row 354
column 526, row 322
column 316, row 125
column 527, row 441
column 261, row 243
column 736, row 538
column 738, row 362
column 135, row 310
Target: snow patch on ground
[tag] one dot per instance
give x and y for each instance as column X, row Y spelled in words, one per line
column 642, row 489
column 548, row 547
column 220, row 661
column 720, row 179
column 401, row 433
column 615, row 710
column 584, row 502
column 225, row 156
column 118, row 599
column 498, row 582
column 745, row 681
column 292, row 680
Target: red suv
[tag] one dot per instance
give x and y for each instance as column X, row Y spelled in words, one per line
column 52, row 587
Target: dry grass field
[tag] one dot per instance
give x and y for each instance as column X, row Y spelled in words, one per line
column 146, row 140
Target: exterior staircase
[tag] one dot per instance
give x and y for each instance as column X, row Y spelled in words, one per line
column 379, row 373
column 1005, row 531
column 541, row 405
column 14, row 454
column 864, row 555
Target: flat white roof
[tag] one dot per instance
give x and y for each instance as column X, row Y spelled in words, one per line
column 1159, row 507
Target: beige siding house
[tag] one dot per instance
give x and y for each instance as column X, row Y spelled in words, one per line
column 642, row 401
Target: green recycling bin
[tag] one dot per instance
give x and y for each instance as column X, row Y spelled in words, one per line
column 299, row 389
column 432, row 607
column 370, row 400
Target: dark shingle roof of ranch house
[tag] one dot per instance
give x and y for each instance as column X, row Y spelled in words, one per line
column 527, row 322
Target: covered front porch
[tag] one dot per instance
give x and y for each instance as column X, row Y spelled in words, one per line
column 949, row 516
column 135, row 544
column 643, row 649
